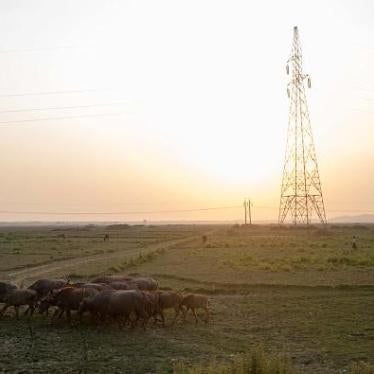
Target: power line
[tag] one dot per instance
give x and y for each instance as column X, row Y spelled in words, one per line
column 56, row 92
column 120, row 212
column 328, row 210
column 368, row 211
column 59, row 118
column 349, row 211
column 158, row 211
column 61, row 107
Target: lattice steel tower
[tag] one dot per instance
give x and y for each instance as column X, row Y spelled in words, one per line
column 301, row 192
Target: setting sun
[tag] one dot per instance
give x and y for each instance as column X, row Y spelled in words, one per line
column 178, row 106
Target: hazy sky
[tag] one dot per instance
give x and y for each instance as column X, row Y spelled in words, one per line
column 204, row 109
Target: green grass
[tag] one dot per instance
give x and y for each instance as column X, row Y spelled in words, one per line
column 254, row 362
column 320, row 330
column 301, row 294
column 31, row 246
column 257, row 362
column 132, row 262
column 269, row 254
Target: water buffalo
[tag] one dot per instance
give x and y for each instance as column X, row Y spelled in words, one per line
column 111, row 279
column 5, row 287
column 96, row 305
column 44, row 286
column 141, row 283
column 169, row 300
column 97, row 286
column 68, row 299
column 194, row 302
column 117, row 305
column 151, row 304
column 144, row 284
column 122, row 304
column 45, row 304
column 122, row 285
column 19, row 297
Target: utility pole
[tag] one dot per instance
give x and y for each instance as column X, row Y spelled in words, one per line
column 301, row 192
column 245, row 211
column 249, row 212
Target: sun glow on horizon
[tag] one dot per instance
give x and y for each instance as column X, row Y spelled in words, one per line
column 205, row 108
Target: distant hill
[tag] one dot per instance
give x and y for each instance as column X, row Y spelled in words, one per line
column 362, row 218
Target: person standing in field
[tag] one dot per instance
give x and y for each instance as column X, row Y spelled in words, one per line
column 354, row 242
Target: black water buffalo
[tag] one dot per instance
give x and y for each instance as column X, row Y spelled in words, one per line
column 145, row 284
column 44, row 286
column 5, row 287
column 116, row 305
column 68, row 299
column 19, row 297
column 111, row 278
column 141, row 283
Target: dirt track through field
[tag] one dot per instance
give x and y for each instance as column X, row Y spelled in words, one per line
column 42, row 270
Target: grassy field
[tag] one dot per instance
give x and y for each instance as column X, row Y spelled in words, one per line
column 64, row 250
column 303, row 294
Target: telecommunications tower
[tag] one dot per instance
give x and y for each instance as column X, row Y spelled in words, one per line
column 301, row 192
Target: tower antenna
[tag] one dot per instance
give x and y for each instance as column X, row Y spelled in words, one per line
column 301, row 192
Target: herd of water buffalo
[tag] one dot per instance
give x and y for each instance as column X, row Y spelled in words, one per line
column 121, row 299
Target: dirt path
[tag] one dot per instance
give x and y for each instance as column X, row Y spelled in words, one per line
column 42, row 270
